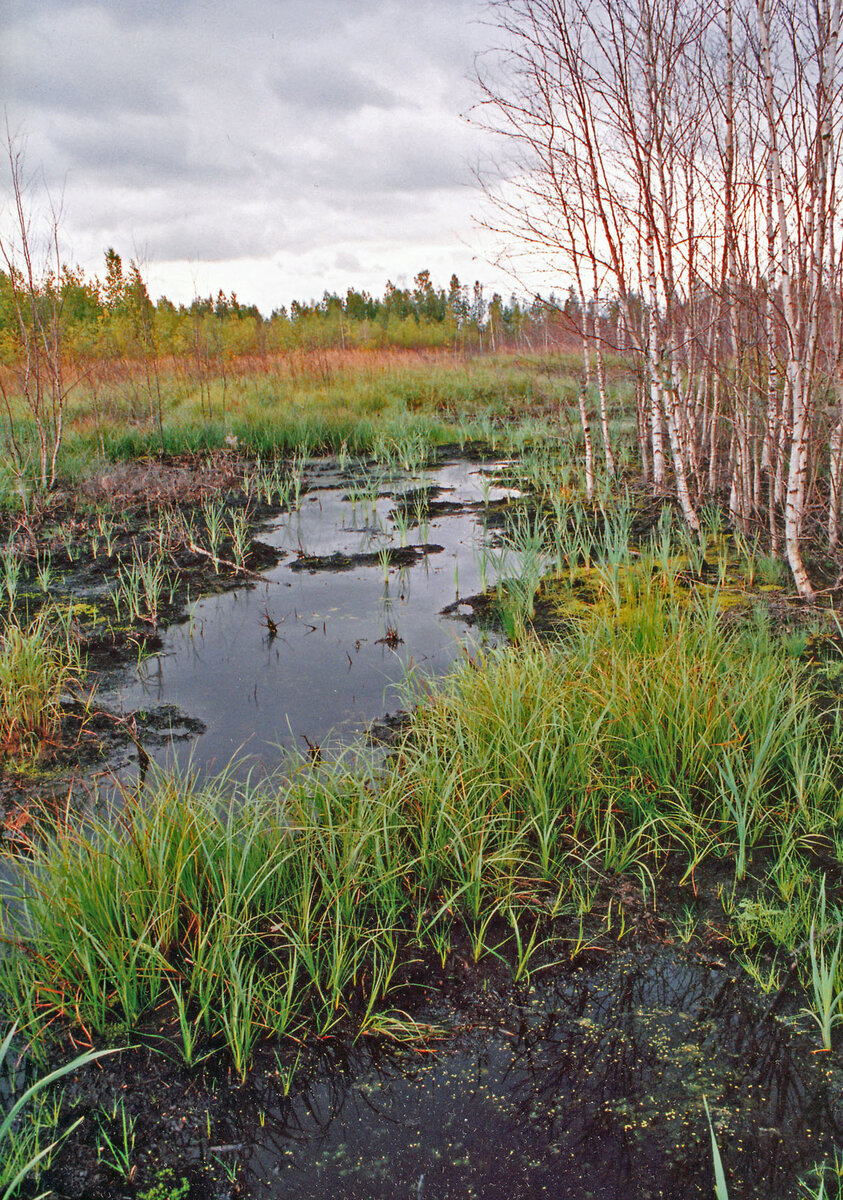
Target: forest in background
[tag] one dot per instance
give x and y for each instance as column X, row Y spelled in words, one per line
column 114, row 317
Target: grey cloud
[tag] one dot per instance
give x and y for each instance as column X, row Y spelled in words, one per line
column 77, row 64
column 190, row 224
column 397, row 156
column 350, row 263
column 132, row 153
column 213, row 237
column 112, row 86
column 328, row 87
column 206, row 130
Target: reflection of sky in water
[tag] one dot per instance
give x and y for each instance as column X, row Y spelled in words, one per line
column 327, row 673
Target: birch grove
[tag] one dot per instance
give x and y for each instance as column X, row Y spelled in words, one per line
column 678, row 163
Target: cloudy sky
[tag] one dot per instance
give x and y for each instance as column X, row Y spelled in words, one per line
column 276, row 148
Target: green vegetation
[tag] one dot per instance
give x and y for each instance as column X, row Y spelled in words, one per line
column 30, row 1120
column 646, row 738
column 113, row 318
column 39, row 661
column 394, row 405
column 166, row 1188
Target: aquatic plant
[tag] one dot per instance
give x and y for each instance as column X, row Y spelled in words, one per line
column 482, row 558
column 296, row 480
column 384, row 561
column 615, row 552
column 524, row 539
column 142, row 587
column 43, row 571
column 116, row 1138
column 721, row 1190
column 107, row 530
column 412, row 449
column 420, row 515
column 214, row 513
column 69, row 543
column 38, row 663
column 401, row 522
column 239, row 530
column 826, row 971
column 11, row 565
column 268, row 482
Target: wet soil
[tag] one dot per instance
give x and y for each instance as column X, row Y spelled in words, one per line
column 585, row 1080
column 393, row 556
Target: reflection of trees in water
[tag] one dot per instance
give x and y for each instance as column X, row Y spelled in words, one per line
column 599, row 1078
column 654, row 1036
column 306, row 1119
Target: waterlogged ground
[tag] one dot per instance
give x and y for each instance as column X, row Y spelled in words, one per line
column 586, row 1082
column 325, row 642
column 591, row 1086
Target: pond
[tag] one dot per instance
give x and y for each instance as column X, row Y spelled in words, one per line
column 589, row 1084
column 327, row 640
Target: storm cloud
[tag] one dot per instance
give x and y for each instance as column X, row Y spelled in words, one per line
column 277, row 146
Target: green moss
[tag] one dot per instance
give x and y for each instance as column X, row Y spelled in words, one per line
column 165, row 1187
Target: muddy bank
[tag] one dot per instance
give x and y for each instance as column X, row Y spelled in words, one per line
column 585, row 1080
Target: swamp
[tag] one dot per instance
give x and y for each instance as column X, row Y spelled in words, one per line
column 390, row 809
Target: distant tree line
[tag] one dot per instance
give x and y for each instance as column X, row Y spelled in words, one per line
column 114, row 317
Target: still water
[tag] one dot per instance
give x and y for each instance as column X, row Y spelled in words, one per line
column 326, row 643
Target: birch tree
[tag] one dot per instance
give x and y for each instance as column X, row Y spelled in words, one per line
column 686, row 154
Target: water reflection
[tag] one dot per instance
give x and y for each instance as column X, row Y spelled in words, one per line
column 311, row 655
column 590, row 1084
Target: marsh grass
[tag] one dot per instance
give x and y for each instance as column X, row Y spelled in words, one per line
column 39, row 662
column 617, row 740
column 248, row 920
column 11, row 565
column 525, row 779
column 395, row 405
column 143, row 586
